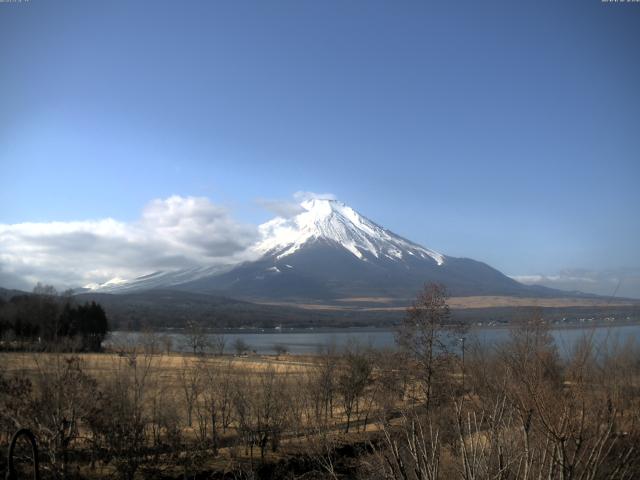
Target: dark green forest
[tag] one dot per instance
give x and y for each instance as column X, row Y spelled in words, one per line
column 45, row 318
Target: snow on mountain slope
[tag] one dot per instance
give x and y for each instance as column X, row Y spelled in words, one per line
column 336, row 222
column 159, row 279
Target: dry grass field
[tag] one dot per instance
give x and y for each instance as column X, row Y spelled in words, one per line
column 101, row 365
column 372, row 304
column 257, row 394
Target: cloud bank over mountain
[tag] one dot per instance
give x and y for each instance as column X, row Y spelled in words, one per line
column 175, row 232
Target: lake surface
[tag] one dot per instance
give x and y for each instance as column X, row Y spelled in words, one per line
column 314, row 341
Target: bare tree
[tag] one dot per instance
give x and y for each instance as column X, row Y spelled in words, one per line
column 120, row 419
column 240, row 346
column 196, row 337
column 391, row 380
column 190, row 380
column 321, row 448
column 64, row 396
column 218, row 342
column 167, row 343
column 423, row 335
column 353, row 379
column 323, row 385
column 280, row 349
column 411, row 451
column 262, row 411
column 215, row 410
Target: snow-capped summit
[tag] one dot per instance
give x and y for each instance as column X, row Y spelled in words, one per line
column 333, row 221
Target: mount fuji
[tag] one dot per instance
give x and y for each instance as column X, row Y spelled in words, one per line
column 330, row 252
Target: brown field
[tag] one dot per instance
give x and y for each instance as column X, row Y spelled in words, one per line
column 165, row 383
column 100, row 365
column 355, row 303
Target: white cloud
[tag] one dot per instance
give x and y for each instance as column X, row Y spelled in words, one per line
column 291, row 208
column 281, row 208
column 301, row 196
column 172, row 233
column 623, row 282
column 541, row 279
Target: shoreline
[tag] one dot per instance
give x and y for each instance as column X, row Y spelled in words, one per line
column 368, row 329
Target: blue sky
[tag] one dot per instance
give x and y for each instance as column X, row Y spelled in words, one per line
column 502, row 131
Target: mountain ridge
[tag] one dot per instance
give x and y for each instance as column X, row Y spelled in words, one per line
column 327, row 251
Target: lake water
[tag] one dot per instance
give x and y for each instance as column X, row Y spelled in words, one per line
column 314, row 341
